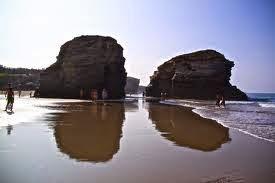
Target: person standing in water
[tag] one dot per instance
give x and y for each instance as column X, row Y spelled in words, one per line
column 104, row 94
column 223, row 101
column 81, row 93
column 218, row 99
column 10, row 98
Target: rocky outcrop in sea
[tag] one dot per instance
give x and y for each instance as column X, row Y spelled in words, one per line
column 132, row 85
column 86, row 64
column 197, row 75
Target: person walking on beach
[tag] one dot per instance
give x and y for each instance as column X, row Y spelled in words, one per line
column 10, row 98
column 94, row 95
column 104, row 94
column 19, row 93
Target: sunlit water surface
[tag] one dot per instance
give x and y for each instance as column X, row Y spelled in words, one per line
column 55, row 140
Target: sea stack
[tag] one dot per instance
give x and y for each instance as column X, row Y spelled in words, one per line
column 132, row 85
column 85, row 64
column 198, row 75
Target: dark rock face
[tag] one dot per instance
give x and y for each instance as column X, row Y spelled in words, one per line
column 197, row 75
column 131, row 85
column 86, row 63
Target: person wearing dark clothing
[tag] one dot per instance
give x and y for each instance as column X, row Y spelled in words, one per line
column 10, row 98
column 19, row 93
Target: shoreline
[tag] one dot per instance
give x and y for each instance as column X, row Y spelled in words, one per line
column 217, row 121
column 175, row 102
column 164, row 143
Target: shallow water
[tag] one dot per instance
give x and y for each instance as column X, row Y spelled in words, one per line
column 76, row 141
column 255, row 117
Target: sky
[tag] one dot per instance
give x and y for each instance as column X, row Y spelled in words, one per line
column 150, row 31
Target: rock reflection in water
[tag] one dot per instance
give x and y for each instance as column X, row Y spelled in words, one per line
column 90, row 132
column 185, row 128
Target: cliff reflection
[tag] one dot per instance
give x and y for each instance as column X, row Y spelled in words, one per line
column 185, row 128
column 90, row 132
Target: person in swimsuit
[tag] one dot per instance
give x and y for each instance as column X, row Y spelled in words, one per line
column 10, row 98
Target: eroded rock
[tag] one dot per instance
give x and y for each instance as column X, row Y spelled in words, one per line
column 132, row 85
column 197, row 75
column 86, row 63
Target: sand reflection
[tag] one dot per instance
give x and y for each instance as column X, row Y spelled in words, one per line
column 89, row 132
column 185, row 128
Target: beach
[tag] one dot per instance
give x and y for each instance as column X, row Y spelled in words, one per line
column 63, row 140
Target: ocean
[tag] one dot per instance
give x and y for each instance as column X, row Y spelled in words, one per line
column 255, row 117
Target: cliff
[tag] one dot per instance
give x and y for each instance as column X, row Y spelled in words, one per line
column 19, row 78
column 197, row 75
column 86, row 63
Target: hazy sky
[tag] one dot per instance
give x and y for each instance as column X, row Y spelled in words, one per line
column 150, row 31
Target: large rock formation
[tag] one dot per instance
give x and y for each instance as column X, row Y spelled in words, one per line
column 131, row 86
column 197, row 75
column 86, row 63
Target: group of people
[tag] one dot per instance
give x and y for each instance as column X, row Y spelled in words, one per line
column 9, row 94
column 94, row 94
column 163, row 95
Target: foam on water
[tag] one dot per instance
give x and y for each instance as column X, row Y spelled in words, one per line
column 267, row 105
column 251, row 117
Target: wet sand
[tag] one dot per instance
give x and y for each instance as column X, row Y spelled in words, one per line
column 54, row 140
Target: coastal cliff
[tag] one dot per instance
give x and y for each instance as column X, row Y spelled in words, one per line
column 197, row 75
column 86, row 63
column 20, row 78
